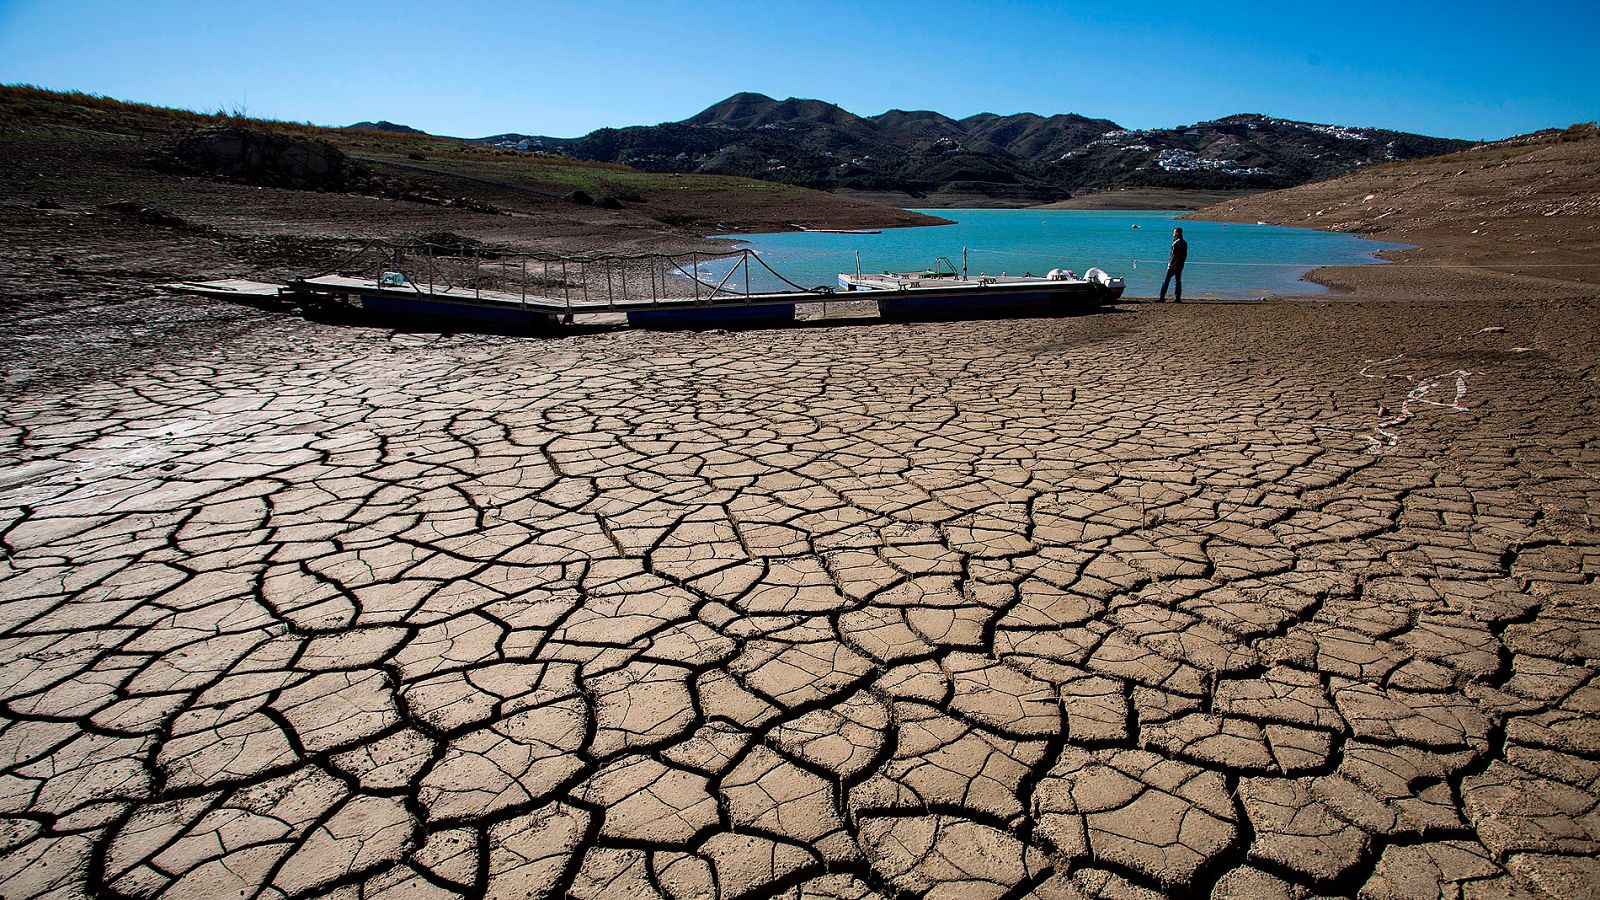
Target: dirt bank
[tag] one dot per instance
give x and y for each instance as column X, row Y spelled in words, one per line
column 1504, row 219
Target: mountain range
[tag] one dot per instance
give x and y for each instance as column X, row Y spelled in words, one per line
column 1019, row 158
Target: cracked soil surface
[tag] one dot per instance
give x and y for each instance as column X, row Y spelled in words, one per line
column 1273, row 600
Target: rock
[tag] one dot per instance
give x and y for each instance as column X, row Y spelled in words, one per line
column 270, row 159
column 146, row 214
column 581, row 198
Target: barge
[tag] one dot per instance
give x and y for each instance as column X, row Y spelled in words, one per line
column 650, row 291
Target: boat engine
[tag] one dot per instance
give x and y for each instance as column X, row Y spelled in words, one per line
column 1107, row 288
column 1058, row 275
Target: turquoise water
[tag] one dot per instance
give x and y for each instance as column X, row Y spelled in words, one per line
column 1225, row 260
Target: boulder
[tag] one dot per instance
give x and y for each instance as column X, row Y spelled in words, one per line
column 147, row 214
column 270, row 159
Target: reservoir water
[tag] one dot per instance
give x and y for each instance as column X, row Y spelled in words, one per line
column 1225, row 259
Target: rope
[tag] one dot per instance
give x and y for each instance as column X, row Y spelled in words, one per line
column 693, row 277
column 745, row 256
column 819, row 289
column 356, row 255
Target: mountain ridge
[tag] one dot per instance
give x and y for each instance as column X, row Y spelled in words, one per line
column 384, row 125
column 1014, row 158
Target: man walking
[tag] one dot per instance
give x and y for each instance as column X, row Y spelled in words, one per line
column 1175, row 261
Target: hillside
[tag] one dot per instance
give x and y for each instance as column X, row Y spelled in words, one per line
column 101, row 202
column 920, row 157
column 1522, row 210
column 78, row 150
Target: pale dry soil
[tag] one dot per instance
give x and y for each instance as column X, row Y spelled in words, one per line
column 1272, row 600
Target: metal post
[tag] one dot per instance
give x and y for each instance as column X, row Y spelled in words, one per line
column 477, row 277
column 694, row 270
column 609, row 302
column 428, row 255
column 524, row 284
column 725, row 279
column 746, row 261
column 963, row 264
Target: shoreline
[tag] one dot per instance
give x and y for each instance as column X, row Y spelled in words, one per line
column 1423, row 272
column 1316, row 289
column 1107, row 199
column 1499, row 220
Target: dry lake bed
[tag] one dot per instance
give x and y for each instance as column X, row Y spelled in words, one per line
column 1265, row 600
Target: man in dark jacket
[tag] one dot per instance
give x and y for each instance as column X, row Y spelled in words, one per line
column 1175, row 261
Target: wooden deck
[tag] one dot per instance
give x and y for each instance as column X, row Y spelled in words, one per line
column 225, row 287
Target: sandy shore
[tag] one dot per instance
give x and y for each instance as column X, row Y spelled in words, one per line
column 1237, row 600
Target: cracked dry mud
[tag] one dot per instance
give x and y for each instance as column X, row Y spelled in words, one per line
column 1111, row 606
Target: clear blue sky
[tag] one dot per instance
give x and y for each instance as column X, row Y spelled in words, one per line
column 1469, row 68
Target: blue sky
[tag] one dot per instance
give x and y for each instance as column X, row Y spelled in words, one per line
column 1469, row 68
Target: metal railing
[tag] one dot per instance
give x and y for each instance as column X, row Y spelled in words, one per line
column 576, row 283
